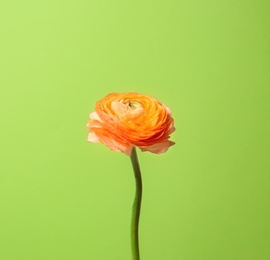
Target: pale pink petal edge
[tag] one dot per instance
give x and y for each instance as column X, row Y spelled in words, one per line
column 157, row 148
column 92, row 138
column 95, row 116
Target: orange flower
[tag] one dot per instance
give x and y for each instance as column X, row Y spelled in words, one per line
column 124, row 121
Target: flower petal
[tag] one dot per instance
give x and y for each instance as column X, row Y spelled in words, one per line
column 95, row 116
column 157, row 148
column 92, row 138
column 115, row 145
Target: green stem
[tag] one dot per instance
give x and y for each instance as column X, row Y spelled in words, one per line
column 136, row 208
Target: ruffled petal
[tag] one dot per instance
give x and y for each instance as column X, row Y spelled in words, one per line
column 92, row 137
column 95, row 116
column 157, row 148
column 116, row 145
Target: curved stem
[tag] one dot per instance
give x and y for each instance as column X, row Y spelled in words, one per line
column 136, row 208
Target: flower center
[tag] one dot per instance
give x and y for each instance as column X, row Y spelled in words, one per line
column 128, row 109
column 135, row 105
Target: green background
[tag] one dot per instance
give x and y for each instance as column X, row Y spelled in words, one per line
column 207, row 198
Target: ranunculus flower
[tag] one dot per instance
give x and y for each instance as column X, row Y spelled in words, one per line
column 124, row 121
